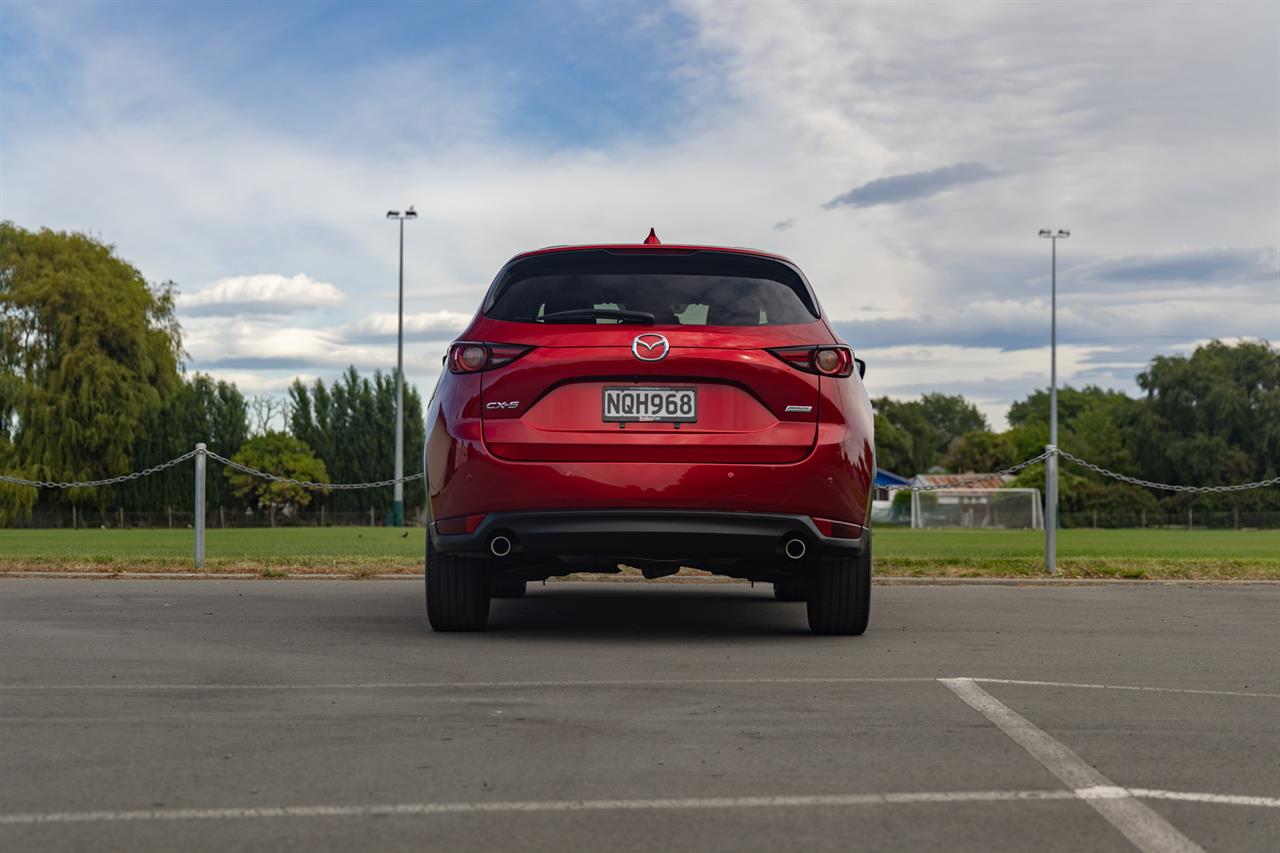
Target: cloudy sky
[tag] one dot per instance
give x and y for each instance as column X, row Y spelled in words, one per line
column 905, row 156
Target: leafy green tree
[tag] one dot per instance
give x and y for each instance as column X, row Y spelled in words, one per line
column 981, row 452
column 1028, row 439
column 351, row 425
column 931, row 424
column 1214, row 417
column 200, row 410
column 893, row 446
column 16, row 502
column 951, row 416
column 282, row 454
column 1095, row 423
column 907, row 417
column 87, row 349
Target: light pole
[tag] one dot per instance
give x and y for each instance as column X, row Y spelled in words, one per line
column 397, row 505
column 1051, row 462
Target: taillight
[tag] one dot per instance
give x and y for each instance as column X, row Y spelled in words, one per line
column 472, row 357
column 826, row 360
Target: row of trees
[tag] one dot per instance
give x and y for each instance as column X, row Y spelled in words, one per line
column 1211, row 418
column 93, row 386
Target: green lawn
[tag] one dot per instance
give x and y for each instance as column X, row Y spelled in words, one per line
column 1081, row 553
column 899, row 552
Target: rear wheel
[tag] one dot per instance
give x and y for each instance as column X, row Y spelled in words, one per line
column 791, row 590
column 840, row 600
column 457, row 591
column 507, row 588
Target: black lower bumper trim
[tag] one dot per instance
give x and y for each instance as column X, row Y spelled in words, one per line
column 650, row 535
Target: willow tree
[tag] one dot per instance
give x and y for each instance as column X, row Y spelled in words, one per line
column 87, row 350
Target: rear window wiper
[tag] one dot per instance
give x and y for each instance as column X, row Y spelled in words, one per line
column 577, row 314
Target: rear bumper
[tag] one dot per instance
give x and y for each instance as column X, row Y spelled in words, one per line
column 650, row 535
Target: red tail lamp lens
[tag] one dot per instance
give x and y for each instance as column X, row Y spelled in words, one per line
column 833, row 361
column 824, row 360
column 469, row 357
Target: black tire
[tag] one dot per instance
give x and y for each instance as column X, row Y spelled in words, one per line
column 840, row 600
column 791, row 590
column 457, row 591
column 507, row 588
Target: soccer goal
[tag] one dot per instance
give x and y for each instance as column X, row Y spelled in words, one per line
column 978, row 508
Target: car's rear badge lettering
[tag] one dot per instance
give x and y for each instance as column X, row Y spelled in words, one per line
column 800, row 409
column 511, row 404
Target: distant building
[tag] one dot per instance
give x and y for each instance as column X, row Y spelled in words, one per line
column 970, row 480
column 886, row 480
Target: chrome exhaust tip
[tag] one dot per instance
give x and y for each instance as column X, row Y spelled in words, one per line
column 795, row 548
column 499, row 546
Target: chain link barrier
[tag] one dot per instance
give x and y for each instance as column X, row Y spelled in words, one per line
column 308, row 484
column 110, row 481
column 1168, row 487
column 155, row 469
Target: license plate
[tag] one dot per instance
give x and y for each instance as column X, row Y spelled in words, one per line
column 632, row 403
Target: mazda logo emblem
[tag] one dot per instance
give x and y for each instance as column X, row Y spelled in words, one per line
column 650, row 347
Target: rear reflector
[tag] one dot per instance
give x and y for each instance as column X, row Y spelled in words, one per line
column 837, row 529
column 461, row 524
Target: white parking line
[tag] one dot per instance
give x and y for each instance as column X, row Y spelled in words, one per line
column 1221, row 799
column 819, row 800
column 1080, row 686
column 1136, row 821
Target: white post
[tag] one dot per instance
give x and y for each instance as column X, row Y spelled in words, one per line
column 199, row 525
column 397, row 500
column 1051, row 463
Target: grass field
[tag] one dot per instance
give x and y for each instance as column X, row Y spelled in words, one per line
column 362, row 551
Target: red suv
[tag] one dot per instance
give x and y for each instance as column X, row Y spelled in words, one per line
column 655, row 406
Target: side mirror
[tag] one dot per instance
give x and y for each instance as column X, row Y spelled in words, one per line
column 862, row 367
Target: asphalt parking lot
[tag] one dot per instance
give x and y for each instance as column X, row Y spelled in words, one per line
column 324, row 715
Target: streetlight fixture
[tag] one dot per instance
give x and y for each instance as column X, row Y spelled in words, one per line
column 397, row 506
column 1051, row 461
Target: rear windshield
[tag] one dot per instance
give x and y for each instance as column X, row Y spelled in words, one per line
column 698, row 289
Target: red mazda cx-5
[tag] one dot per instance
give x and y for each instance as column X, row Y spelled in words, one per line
column 656, row 406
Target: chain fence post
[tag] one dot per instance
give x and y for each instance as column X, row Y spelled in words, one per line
column 1051, row 509
column 199, row 520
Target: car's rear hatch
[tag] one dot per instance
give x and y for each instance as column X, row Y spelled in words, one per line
column 587, row 391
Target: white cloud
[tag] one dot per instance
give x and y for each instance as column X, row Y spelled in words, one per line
column 266, row 294
column 423, row 325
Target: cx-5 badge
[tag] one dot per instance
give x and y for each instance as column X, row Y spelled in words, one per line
column 512, row 404
column 650, row 347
